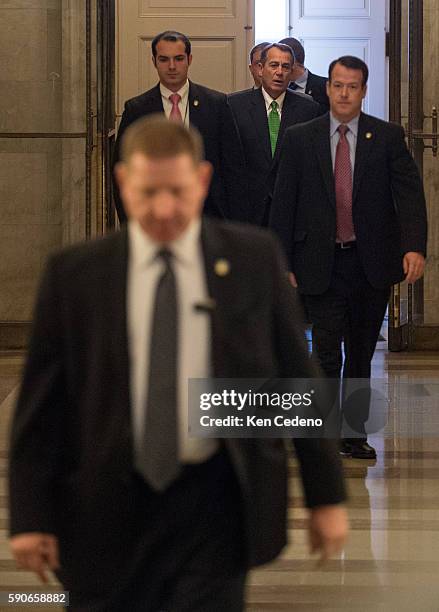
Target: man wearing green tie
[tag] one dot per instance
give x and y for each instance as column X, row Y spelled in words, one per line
column 262, row 116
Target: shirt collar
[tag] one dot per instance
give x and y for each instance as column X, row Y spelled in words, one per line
column 143, row 249
column 352, row 125
column 183, row 91
column 268, row 99
column 301, row 81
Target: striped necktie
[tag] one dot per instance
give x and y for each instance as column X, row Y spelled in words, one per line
column 343, row 187
column 175, row 114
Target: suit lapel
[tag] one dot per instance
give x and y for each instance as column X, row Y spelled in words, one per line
column 154, row 100
column 221, row 289
column 258, row 113
column 287, row 119
column 309, row 84
column 365, row 140
column 323, row 148
column 117, row 307
column 197, row 107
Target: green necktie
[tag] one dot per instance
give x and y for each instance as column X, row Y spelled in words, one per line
column 273, row 125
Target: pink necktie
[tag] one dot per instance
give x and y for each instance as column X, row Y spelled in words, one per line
column 343, row 187
column 175, row 114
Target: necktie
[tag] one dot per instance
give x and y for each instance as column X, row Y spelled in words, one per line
column 343, row 187
column 175, row 114
column 273, row 125
column 159, row 456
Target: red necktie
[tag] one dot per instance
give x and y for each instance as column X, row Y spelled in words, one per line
column 175, row 114
column 343, row 187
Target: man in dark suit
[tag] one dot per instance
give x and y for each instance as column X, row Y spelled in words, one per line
column 206, row 109
column 262, row 116
column 106, row 486
column 350, row 210
column 304, row 80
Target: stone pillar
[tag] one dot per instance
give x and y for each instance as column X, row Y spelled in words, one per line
column 431, row 164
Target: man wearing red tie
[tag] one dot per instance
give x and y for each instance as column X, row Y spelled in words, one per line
column 182, row 100
column 349, row 208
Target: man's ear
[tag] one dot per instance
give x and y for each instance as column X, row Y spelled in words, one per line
column 120, row 172
column 189, row 59
column 154, row 61
column 260, row 68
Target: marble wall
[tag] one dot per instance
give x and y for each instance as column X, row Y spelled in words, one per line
column 42, row 80
column 431, row 164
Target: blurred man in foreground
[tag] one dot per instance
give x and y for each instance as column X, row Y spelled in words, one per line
column 107, row 488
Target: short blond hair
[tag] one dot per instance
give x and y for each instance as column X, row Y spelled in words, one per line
column 158, row 138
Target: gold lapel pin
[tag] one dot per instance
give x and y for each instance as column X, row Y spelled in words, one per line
column 196, row 103
column 222, row 267
column 368, row 135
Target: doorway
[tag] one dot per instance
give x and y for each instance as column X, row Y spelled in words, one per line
column 329, row 29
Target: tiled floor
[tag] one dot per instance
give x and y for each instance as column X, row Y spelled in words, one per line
column 391, row 562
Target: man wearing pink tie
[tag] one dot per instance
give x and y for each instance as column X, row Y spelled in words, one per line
column 349, row 208
column 206, row 109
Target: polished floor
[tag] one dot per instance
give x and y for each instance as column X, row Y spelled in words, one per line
column 391, row 561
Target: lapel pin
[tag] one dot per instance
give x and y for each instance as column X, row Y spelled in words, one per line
column 196, row 103
column 368, row 135
column 222, row 267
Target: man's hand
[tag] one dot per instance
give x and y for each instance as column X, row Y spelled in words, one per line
column 292, row 279
column 413, row 264
column 328, row 530
column 36, row 552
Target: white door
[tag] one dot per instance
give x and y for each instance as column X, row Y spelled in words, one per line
column 331, row 28
column 220, row 32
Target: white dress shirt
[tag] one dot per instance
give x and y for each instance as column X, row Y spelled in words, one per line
column 183, row 104
column 301, row 82
column 194, row 335
column 268, row 100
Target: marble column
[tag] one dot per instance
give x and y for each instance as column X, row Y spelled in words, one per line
column 431, row 164
column 42, row 181
column 30, row 187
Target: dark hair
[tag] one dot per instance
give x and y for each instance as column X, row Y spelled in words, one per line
column 256, row 48
column 157, row 138
column 171, row 36
column 349, row 61
column 297, row 47
column 281, row 47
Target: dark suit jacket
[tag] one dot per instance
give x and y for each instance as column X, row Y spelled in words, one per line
column 71, row 456
column 316, row 87
column 388, row 206
column 250, row 114
column 211, row 115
